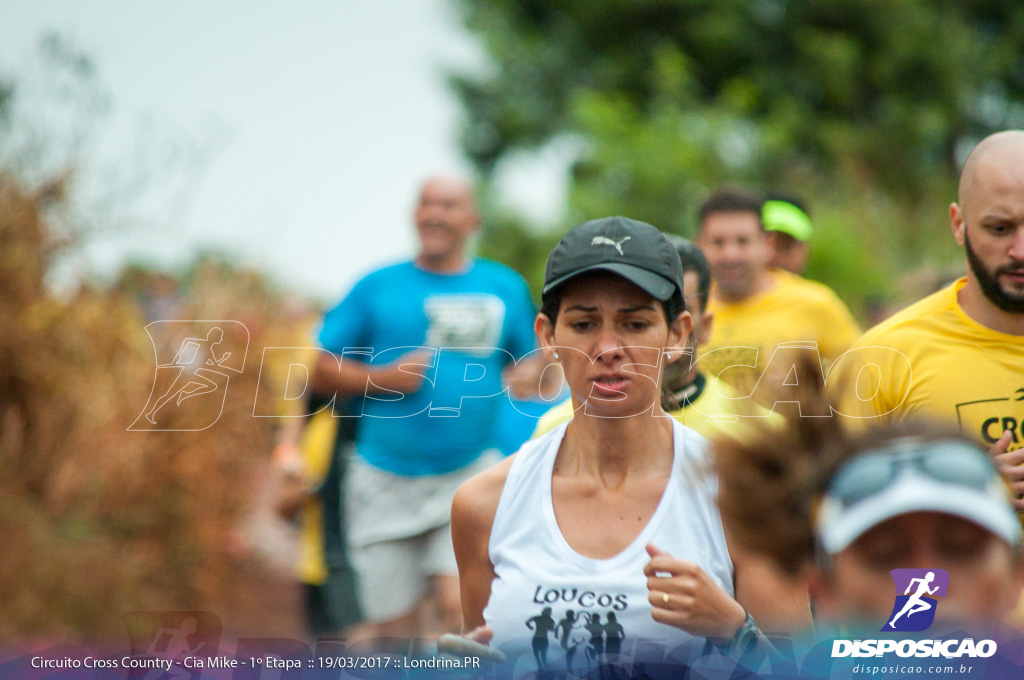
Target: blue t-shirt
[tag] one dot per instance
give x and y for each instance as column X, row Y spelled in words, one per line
column 476, row 322
column 517, row 420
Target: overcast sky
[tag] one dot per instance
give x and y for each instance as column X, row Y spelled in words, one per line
column 314, row 123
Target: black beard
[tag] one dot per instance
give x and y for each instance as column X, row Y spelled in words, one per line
column 989, row 283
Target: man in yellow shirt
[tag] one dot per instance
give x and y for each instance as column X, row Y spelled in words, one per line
column 709, row 406
column 764, row 318
column 958, row 355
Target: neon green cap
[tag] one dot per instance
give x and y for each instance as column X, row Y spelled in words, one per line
column 787, row 218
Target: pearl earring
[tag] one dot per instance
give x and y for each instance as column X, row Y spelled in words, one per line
column 555, row 355
column 668, row 355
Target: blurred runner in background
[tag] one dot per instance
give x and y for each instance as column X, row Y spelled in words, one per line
column 764, row 318
column 310, row 466
column 459, row 321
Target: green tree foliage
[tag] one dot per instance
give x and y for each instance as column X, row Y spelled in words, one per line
column 864, row 107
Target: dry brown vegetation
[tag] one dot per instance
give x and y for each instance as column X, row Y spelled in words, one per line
column 99, row 521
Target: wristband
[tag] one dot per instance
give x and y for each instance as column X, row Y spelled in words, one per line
column 745, row 639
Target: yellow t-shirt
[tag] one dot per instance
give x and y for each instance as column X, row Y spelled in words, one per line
column 933, row 360
column 316, row 445
column 717, row 411
column 769, row 329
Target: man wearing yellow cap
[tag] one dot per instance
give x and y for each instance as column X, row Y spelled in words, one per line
column 789, row 229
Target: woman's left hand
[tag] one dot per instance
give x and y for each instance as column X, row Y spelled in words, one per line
column 684, row 596
column 475, row 643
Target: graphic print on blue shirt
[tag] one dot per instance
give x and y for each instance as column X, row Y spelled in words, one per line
column 468, row 322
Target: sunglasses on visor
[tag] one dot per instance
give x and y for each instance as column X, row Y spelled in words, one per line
column 949, row 462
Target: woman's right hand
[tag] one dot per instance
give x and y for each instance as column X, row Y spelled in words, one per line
column 474, row 643
column 683, row 595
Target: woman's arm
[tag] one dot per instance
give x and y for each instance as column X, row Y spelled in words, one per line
column 683, row 595
column 473, row 510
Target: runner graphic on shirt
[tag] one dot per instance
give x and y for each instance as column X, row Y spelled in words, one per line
column 541, row 625
column 576, row 630
column 569, row 638
column 596, row 629
column 471, row 323
column 613, row 634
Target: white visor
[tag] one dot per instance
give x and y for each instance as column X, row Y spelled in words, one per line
column 837, row 526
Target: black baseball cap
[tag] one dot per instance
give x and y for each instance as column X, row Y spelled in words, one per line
column 634, row 250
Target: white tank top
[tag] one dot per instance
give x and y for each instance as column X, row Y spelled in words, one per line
column 549, row 604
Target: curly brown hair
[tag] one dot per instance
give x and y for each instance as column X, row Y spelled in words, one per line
column 771, row 482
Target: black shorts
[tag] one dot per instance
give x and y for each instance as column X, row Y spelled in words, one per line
column 333, row 606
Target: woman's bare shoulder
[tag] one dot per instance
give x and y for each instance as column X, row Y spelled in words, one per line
column 476, row 501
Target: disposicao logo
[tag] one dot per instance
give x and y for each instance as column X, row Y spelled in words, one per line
column 193, row 368
column 914, row 611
